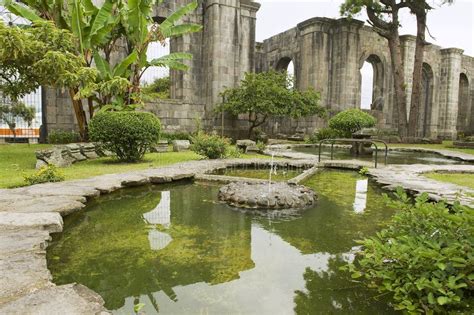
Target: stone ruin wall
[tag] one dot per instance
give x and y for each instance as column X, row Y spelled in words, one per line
column 328, row 55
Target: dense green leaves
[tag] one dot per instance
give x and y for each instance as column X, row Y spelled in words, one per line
column 127, row 134
column 211, row 146
column 349, row 121
column 269, row 94
column 424, row 257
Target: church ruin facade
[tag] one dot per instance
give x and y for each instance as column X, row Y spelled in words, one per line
column 327, row 54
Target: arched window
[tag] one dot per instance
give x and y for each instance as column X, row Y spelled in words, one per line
column 426, row 104
column 371, row 84
column 286, row 64
column 464, row 105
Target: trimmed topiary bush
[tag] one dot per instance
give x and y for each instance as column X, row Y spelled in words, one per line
column 211, row 146
column 424, row 258
column 127, row 134
column 352, row 120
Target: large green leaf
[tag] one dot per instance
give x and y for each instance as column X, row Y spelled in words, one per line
column 103, row 66
column 121, row 68
column 177, row 15
column 21, row 10
column 77, row 22
column 181, row 29
column 102, row 17
column 137, row 20
column 172, row 61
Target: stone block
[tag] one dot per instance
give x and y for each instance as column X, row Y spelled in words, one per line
column 160, row 147
column 181, row 145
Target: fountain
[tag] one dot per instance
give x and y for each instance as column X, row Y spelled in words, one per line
column 267, row 196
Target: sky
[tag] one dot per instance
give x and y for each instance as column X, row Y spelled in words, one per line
column 450, row 25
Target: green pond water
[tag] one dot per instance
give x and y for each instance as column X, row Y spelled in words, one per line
column 175, row 249
column 393, row 157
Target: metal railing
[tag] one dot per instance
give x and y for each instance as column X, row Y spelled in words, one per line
column 372, row 141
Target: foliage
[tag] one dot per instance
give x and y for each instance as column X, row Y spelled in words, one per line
column 158, row 89
column 424, row 257
column 10, row 113
column 211, row 146
column 127, row 134
column 322, row 134
column 97, row 32
column 349, row 121
column 261, row 146
column 269, row 94
column 176, row 136
column 364, row 170
column 46, row 174
column 62, row 137
column 233, row 152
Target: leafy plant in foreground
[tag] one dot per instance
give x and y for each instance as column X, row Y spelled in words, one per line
column 424, row 258
column 46, row 174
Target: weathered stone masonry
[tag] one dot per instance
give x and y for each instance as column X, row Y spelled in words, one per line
column 328, row 55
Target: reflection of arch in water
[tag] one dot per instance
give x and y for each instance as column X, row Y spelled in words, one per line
column 371, row 82
column 426, row 103
column 464, row 106
column 160, row 215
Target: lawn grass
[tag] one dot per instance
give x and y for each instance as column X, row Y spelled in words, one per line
column 17, row 160
column 461, row 179
column 446, row 145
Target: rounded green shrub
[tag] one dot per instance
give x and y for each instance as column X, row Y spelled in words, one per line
column 424, row 258
column 352, row 120
column 63, row 137
column 127, row 134
column 323, row 133
column 211, row 146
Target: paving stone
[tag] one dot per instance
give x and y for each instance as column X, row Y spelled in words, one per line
column 22, row 240
column 64, row 205
column 70, row 299
column 49, row 221
column 22, row 273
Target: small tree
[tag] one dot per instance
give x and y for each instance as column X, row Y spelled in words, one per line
column 351, row 120
column 269, row 94
column 10, row 113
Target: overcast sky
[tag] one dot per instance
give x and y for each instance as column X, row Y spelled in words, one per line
column 451, row 25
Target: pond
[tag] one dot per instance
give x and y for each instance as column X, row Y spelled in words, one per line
column 394, row 157
column 280, row 173
column 175, row 249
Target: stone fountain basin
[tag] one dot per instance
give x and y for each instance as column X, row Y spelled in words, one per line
column 278, row 195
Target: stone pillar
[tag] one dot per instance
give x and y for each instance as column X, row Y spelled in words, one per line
column 450, row 68
column 314, row 64
column 408, row 45
column 344, row 69
column 229, row 45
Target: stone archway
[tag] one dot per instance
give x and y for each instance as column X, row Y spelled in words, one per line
column 426, row 104
column 464, row 106
column 287, row 64
column 374, row 100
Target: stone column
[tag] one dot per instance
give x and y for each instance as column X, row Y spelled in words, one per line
column 344, row 69
column 449, row 91
column 229, row 45
column 314, row 64
column 408, row 45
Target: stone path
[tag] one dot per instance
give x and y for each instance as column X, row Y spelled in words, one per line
column 28, row 215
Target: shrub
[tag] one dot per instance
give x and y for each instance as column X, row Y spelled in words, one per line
column 232, row 152
column 62, row 137
column 46, row 174
column 321, row 134
column 127, row 134
column 210, row 146
column 349, row 121
column 424, row 257
column 176, row 136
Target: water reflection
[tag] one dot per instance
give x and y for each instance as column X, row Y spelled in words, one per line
column 360, row 200
column 160, row 215
column 206, row 258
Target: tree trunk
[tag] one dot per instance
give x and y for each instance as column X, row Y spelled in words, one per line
column 90, row 102
column 399, row 83
column 417, row 73
column 80, row 114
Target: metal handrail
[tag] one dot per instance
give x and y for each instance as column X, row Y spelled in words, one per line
column 372, row 141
